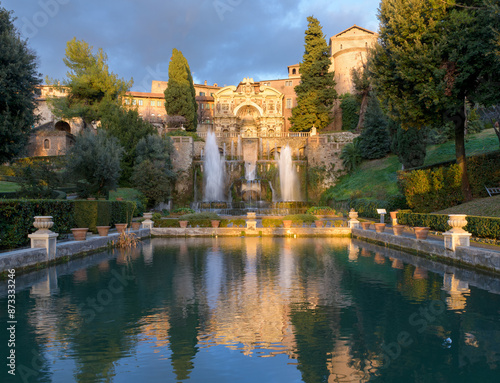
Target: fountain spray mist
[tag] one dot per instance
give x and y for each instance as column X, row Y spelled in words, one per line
column 215, row 169
column 289, row 182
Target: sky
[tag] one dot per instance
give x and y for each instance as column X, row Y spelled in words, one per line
column 223, row 40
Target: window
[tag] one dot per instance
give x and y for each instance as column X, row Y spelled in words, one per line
column 134, row 102
column 340, row 46
column 158, row 103
column 288, row 83
column 202, row 106
column 202, row 93
column 140, row 102
column 152, row 103
column 294, row 71
column 127, row 101
column 289, row 103
column 46, row 144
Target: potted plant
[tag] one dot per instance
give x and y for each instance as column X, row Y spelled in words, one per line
column 318, row 223
column 103, row 230
column 380, row 227
column 183, row 224
column 215, row 223
column 287, row 223
column 80, row 233
column 421, row 232
column 120, row 227
column 366, row 225
column 136, row 225
column 398, row 229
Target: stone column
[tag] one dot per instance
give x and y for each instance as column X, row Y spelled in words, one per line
column 43, row 237
column 251, row 222
column 457, row 236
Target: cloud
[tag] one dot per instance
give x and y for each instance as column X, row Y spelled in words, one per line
column 223, row 40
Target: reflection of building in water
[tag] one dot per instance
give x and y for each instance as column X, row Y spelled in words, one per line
column 156, row 327
column 458, row 290
column 342, row 367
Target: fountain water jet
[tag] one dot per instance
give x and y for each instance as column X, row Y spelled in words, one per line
column 289, row 182
column 215, row 169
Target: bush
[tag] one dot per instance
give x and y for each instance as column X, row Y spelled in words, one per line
column 240, row 222
column 299, row 219
column 166, row 222
column 183, row 211
column 351, row 156
column 350, row 111
column 482, row 227
column 189, row 217
column 272, row 222
column 320, row 210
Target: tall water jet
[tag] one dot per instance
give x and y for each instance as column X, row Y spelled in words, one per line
column 214, row 166
column 289, row 182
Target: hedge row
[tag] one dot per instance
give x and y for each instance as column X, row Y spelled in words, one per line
column 367, row 208
column 481, row 227
column 17, row 216
column 437, row 188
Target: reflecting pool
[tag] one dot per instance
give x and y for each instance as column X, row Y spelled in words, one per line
column 254, row 310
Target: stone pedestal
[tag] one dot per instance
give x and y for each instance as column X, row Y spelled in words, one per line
column 251, row 221
column 44, row 238
column 353, row 222
column 457, row 236
column 147, row 223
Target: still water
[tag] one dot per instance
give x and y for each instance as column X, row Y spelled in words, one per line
column 254, row 310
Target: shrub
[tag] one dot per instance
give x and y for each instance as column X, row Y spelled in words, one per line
column 183, row 211
column 239, row 222
column 208, row 215
column 301, row 218
column 166, row 222
column 271, row 222
column 320, row 210
column 351, row 156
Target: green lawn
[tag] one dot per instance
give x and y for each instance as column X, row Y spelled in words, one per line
column 377, row 179
column 7, row 187
column 484, row 207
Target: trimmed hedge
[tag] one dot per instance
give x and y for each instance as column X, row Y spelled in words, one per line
column 481, row 227
column 439, row 187
column 166, row 223
column 368, row 208
column 272, row 222
column 300, row 219
column 17, row 216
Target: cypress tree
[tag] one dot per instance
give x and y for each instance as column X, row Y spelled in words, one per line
column 375, row 142
column 180, row 95
column 316, row 92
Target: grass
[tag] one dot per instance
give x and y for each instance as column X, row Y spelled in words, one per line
column 7, row 187
column 483, row 207
column 128, row 194
column 377, row 179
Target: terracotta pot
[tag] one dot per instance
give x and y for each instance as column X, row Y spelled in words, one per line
column 80, row 234
column 215, row 223
column 183, row 224
column 103, row 230
column 119, row 198
column 91, row 199
column 136, row 225
column 287, row 223
column 366, row 225
column 394, row 214
column 398, row 229
column 380, row 227
column 318, row 223
column 421, row 232
column 120, row 227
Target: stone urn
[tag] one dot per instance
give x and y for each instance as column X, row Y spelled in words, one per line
column 287, row 223
column 366, row 225
column 353, row 214
column 393, row 214
column 215, row 223
column 421, row 232
column 80, row 234
column 120, row 227
column 148, row 215
column 398, row 229
column 103, row 230
column 380, row 227
column 183, row 224
column 457, row 223
column 135, row 225
column 43, row 223
column 318, row 223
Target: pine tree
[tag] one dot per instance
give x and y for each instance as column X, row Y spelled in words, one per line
column 18, row 81
column 316, row 92
column 180, row 95
column 374, row 140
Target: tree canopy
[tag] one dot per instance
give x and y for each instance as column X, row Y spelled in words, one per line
column 433, row 56
column 316, row 93
column 180, row 95
column 18, row 81
column 90, row 83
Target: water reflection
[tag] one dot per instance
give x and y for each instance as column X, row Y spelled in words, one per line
column 216, row 310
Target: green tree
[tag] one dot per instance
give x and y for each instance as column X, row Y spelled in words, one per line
column 180, row 95
column 362, row 88
column 374, row 140
column 350, row 111
column 129, row 128
column 316, row 93
column 94, row 162
column 410, row 145
column 37, row 179
column 432, row 57
column 18, row 81
column 153, row 174
column 92, row 87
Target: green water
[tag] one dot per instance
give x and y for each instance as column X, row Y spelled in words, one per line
column 254, row 310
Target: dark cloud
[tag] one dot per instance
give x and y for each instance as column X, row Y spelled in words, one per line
column 223, row 40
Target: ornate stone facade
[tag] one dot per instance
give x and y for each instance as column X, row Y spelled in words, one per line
column 250, row 109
